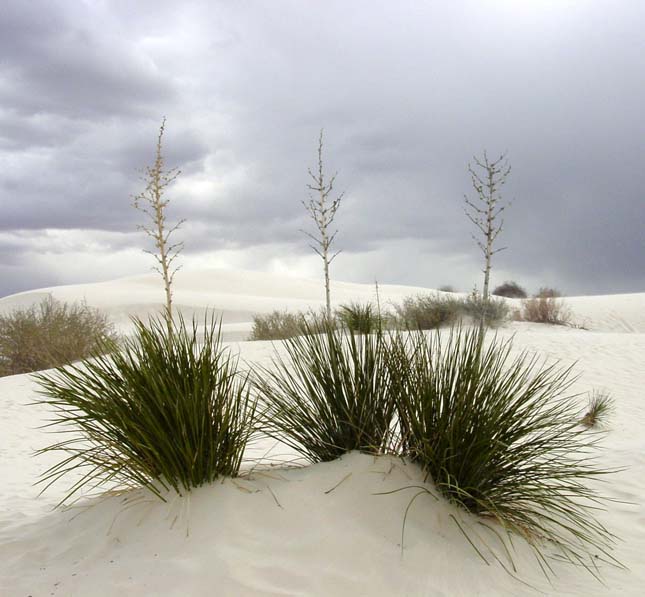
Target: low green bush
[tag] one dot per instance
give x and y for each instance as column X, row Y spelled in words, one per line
column 427, row 312
column 162, row 412
column 494, row 311
column 360, row 318
column 51, row 334
column 500, row 438
column 432, row 311
column 277, row 325
column 330, row 395
column 281, row 325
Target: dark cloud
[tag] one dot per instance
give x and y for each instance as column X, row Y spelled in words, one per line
column 407, row 92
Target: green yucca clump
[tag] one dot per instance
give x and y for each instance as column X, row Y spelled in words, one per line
column 601, row 406
column 360, row 318
column 165, row 411
column 499, row 437
column 330, row 396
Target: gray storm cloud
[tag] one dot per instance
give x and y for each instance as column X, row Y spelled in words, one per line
column 407, row 92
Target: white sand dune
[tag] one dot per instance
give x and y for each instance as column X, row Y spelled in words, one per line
column 236, row 295
column 282, row 531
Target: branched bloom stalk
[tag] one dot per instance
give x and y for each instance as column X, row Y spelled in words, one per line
column 485, row 213
column 152, row 203
column 322, row 211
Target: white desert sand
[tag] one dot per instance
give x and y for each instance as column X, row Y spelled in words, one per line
column 318, row 530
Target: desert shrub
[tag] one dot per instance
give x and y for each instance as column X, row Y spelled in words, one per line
column 494, row 312
column 330, row 396
column 50, row 334
column 163, row 412
column 281, row 325
column 510, row 289
column 360, row 318
column 497, row 437
column 600, row 406
column 545, row 309
column 277, row 325
column 446, row 288
column 547, row 292
column 427, row 312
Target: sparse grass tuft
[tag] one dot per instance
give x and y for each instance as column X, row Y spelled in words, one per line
column 51, row 334
column 163, row 412
column 360, row 318
column 331, row 395
column 497, row 437
column 600, row 407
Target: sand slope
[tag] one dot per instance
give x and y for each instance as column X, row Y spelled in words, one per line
column 236, row 295
column 282, row 531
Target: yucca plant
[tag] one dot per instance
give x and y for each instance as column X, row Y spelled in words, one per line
column 499, row 437
column 165, row 411
column 601, row 405
column 330, row 395
column 360, row 318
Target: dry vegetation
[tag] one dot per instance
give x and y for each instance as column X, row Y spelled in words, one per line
column 51, row 334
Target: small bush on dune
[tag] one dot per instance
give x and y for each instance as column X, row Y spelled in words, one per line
column 51, row 334
column 360, row 318
column 494, row 312
column 499, row 437
column 447, row 288
column 330, row 396
column 545, row 307
column 547, row 292
column 281, row 325
column 510, row 289
column 600, row 407
column 163, row 412
column 427, row 312
column 277, row 325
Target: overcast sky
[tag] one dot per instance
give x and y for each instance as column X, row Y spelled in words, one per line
column 407, row 93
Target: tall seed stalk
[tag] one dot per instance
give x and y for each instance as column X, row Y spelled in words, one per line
column 152, row 203
column 485, row 212
column 322, row 211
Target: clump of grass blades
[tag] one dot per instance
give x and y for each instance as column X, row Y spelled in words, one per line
column 330, row 395
column 601, row 405
column 360, row 318
column 162, row 412
column 497, row 437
